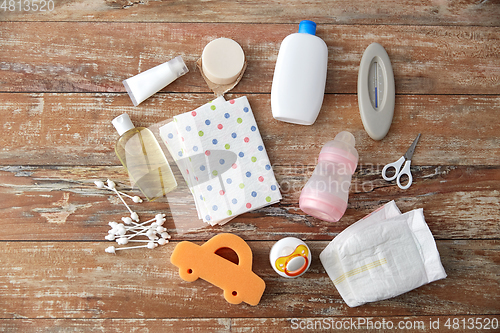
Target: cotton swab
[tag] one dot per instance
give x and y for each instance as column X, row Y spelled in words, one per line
column 160, row 219
column 100, row 184
column 124, row 241
column 112, row 185
column 112, row 249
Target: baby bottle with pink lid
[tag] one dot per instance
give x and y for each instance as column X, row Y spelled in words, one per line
column 325, row 194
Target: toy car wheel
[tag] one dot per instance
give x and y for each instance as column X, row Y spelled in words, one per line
column 233, row 296
column 188, row 274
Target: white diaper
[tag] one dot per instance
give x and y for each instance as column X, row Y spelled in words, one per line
column 383, row 255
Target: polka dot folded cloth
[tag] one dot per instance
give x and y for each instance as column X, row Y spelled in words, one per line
column 220, row 153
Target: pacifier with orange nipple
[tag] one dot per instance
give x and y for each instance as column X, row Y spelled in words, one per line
column 290, row 257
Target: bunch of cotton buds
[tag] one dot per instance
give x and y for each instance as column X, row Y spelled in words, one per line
column 123, row 233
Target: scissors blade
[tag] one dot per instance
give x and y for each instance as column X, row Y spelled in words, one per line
column 409, row 153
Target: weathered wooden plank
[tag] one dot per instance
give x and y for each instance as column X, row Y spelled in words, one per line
column 459, row 324
column 78, row 280
column 74, row 57
column 62, row 203
column 75, row 129
column 117, row 325
column 385, row 12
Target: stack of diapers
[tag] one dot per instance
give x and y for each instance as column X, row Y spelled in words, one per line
column 383, row 255
column 222, row 158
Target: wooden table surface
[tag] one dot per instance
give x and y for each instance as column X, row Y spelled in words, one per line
column 60, row 87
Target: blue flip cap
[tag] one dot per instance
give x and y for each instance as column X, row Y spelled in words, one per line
column 308, row 27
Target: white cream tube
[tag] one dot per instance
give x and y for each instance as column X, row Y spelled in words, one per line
column 145, row 84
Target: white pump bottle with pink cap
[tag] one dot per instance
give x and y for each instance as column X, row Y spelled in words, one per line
column 325, row 194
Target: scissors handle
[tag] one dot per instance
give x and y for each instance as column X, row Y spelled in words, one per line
column 405, row 171
column 396, row 165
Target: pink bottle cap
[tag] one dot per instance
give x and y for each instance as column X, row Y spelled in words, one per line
column 337, row 155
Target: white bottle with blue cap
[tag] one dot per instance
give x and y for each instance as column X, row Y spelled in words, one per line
column 300, row 76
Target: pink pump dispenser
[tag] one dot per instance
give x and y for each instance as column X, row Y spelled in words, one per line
column 325, row 194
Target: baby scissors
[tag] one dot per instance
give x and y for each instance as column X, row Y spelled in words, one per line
column 397, row 165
